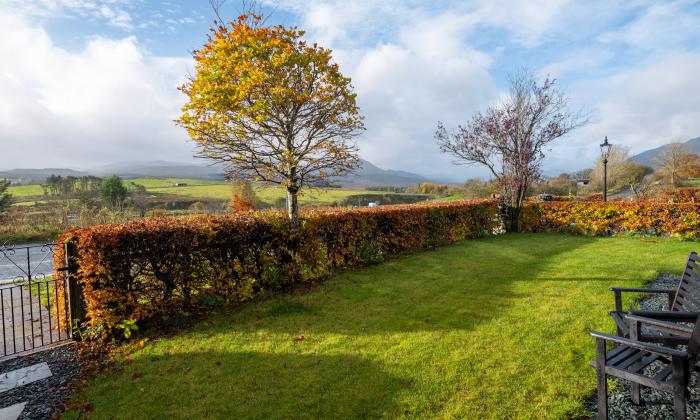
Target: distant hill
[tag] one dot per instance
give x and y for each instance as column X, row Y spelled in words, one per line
column 371, row 175
column 159, row 168
column 38, row 176
column 649, row 157
column 367, row 175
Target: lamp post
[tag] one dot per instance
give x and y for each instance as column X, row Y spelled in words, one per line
column 605, row 152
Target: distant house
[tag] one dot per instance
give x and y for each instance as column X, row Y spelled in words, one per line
column 373, row 204
column 582, row 182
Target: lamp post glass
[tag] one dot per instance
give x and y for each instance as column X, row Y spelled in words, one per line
column 605, row 152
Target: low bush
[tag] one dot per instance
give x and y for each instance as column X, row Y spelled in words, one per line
column 597, row 218
column 682, row 195
column 149, row 269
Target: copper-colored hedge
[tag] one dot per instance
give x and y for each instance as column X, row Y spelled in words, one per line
column 154, row 267
column 595, row 218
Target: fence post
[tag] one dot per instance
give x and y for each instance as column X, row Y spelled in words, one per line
column 75, row 289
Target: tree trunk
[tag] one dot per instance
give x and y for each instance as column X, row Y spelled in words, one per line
column 514, row 219
column 293, row 206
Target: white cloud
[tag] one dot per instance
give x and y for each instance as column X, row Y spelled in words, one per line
column 412, row 62
column 112, row 11
column 641, row 108
column 659, row 26
column 105, row 103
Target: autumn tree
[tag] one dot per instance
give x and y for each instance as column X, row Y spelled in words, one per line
column 5, row 196
column 690, row 166
column 271, row 107
column 510, row 138
column 618, row 160
column 243, row 197
column 670, row 162
column 637, row 177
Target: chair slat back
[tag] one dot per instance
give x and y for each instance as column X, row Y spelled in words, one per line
column 687, row 297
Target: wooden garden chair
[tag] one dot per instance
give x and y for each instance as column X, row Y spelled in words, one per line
column 683, row 303
column 631, row 359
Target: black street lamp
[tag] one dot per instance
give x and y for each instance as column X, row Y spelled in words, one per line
column 605, row 152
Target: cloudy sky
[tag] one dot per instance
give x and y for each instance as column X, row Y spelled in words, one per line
column 90, row 82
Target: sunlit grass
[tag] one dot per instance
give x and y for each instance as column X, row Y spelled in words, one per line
column 19, row 191
column 492, row 328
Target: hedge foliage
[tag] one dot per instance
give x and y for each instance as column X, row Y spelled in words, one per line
column 149, row 269
column 598, row 218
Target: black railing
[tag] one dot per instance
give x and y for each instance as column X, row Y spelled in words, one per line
column 34, row 315
column 25, row 263
column 34, row 305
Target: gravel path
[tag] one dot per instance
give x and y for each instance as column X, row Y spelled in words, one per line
column 657, row 404
column 43, row 397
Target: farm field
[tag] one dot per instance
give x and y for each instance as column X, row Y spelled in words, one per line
column 221, row 190
column 23, row 191
column 447, row 333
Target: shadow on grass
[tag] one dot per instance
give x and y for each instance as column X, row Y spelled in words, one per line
column 246, row 385
column 454, row 287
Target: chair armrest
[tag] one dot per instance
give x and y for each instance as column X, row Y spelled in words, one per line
column 642, row 290
column 618, row 294
column 640, row 345
column 659, row 325
column 677, row 316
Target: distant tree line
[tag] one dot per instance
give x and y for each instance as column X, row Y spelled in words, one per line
column 5, row 197
column 65, row 186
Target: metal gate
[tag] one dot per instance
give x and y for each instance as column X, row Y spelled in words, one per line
column 34, row 304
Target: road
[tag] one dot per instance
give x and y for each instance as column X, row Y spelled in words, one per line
column 40, row 258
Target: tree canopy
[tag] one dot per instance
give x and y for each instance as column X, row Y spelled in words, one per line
column 114, row 192
column 509, row 138
column 5, row 196
column 271, row 107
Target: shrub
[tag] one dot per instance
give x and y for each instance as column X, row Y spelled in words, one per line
column 597, row 218
column 149, row 269
column 682, row 195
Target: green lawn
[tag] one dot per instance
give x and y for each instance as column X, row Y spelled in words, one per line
column 491, row 328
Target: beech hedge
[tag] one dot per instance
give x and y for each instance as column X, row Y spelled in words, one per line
column 598, row 218
column 140, row 272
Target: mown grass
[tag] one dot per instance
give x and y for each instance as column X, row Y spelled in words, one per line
column 491, row 328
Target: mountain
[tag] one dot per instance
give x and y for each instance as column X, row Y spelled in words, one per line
column 160, row 168
column 649, row 157
column 38, row 175
column 367, row 175
column 371, row 175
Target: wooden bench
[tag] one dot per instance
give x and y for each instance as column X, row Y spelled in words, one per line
column 631, row 359
column 683, row 302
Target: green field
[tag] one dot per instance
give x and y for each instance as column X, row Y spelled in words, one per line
column 491, row 328
column 267, row 194
column 694, row 182
column 22, row 191
column 221, row 190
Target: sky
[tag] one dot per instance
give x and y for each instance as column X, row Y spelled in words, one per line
column 85, row 83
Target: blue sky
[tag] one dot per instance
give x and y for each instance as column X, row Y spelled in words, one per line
column 90, row 82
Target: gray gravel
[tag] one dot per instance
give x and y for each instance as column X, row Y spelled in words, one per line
column 46, row 396
column 657, row 404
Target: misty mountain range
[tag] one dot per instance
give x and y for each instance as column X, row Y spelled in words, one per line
column 367, row 175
